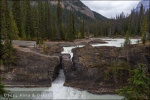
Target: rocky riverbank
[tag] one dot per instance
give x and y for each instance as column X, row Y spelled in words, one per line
column 99, row 70
column 37, row 65
column 32, row 69
column 102, row 70
column 77, row 42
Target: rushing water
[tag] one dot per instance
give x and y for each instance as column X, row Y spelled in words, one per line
column 111, row 42
column 58, row 91
column 62, row 92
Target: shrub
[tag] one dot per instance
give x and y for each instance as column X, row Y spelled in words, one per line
column 138, row 85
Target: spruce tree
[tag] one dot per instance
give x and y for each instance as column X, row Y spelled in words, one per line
column 72, row 29
column 8, row 56
column 23, row 18
column 23, row 32
column 28, row 21
column 47, row 20
column 3, row 19
column 2, row 89
column 83, row 29
column 149, row 22
column 36, row 25
column 41, row 33
column 140, row 18
column 53, row 26
column 6, row 32
column 144, row 30
column 16, row 9
column 63, row 32
column 1, row 45
column 12, row 27
column 59, row 21
column 42, row 19
column 138, row 87
column 127, row 39
column 3, row 37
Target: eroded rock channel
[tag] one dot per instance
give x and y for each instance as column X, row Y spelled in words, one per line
column 93, row 68
column 89, row 69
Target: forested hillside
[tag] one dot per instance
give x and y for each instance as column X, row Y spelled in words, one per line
column 50, row 20
column 137, row 23
column 41, row 20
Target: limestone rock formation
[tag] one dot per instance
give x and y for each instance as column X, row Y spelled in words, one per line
column 32, row 69
column 102, row 70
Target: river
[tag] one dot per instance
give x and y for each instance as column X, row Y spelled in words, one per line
column 58, row 91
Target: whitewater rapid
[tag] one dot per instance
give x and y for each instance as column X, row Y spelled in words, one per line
column 62, row 92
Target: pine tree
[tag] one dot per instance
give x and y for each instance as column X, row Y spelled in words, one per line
column 36, row 25
column 4, row 35
column 16, row 9
column 23, row 18
column 47, row 20
column 3, row 19
column 83, row 29
column 28, row 21
column 149, row 20
column 23, row 32
column 140, row 18
column 7, row 50
column 42, row 19
column 59, row 21
column 41, row 23
column 8, row 56
column 1, row 45
column 127, row 39
column 72, row 29
column 144, row 30
column 53, row 27
column 63, row 32
column 138, row 85
column 12, row 27
column 2, row 89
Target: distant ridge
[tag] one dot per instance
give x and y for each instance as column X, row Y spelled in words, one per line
column 78, row 6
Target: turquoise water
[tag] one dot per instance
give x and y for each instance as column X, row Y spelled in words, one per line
column 58, row 91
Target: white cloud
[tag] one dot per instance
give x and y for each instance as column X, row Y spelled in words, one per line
column 111, row 8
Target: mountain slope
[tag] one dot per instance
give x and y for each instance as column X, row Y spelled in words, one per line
column 78, row 6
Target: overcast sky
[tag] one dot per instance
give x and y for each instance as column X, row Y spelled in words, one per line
column 110, row 8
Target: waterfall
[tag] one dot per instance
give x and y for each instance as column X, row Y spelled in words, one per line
column 62, row 92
